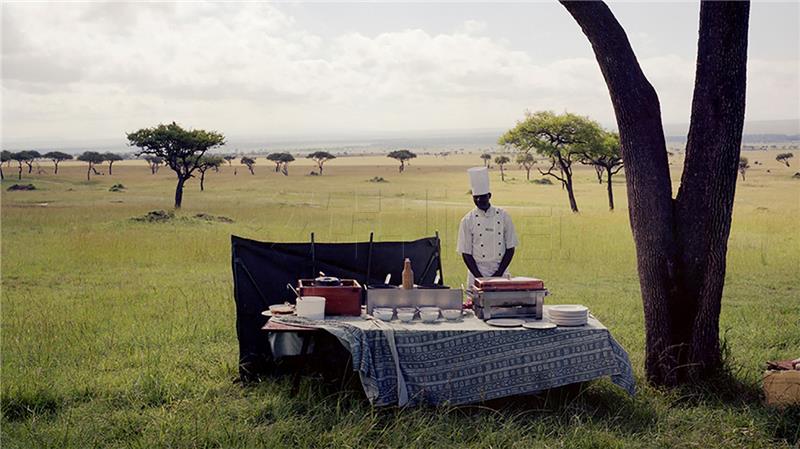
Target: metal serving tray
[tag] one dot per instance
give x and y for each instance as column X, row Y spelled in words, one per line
column 445, row 298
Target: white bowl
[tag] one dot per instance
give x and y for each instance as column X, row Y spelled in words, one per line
column 429, row 316
column 383, row 314
column 405, row 316
column 451, row 314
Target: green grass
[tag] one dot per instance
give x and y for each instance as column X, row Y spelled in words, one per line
column 122, row 334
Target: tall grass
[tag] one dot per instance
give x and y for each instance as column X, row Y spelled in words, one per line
column 122, row 334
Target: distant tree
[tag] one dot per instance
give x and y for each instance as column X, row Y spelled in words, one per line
column 21, row 157
column 277, row 159
column 286, row 158
column 402, row 156
column 208, row 162
column 249, row 162
column 320, row 157
column 180, row 148
column 605, row 156
column 784, row 158
column 743, row 166
column 154, row 162
column 56, row 157
column 32, row 155
column 5, row 157
column 527, row 161
column 502, row 161
column 557, row 137
column 229, row 158
column 486, row 159
column 111, row 158
column 92, row 158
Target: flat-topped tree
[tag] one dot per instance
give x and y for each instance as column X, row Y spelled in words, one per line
column 92, row 158
column 284, row 160
column 111, row 158
column 783, row 158
column 180, row 149
column 605, row 155
column 486, row 159
column 5, row 156
column 556, row 136
column 208, row 162
column 502, row 161
column 682, row 241
column 229, row 159
column 56, row 157
column 320, row 157
column 744, row 164
column 249, row 162
column 527, row 161
column 31, row 156
column 154, row 162
column 402, row 156
column 276, row 158
column 21, row 157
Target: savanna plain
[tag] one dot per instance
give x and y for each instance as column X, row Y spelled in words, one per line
column 121, row 333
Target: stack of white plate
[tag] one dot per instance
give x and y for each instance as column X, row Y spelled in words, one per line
column 568, row 315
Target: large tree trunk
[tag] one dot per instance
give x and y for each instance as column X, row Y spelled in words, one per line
column 610, row 190
column 202, row 179
column 179, row 192
column 680, row 244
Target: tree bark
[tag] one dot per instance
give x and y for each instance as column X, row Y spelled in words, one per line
column 681, row 244
column 55, row 170
column 202, row 179
column 109, row 168
column 179, row 192
column 19, row 175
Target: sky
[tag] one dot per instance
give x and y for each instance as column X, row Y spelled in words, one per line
column 81, row 72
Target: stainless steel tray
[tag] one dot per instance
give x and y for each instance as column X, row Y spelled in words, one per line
column 446, row 298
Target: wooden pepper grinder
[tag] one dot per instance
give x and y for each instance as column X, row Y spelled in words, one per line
column 408, row 274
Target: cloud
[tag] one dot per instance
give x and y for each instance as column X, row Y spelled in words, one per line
column 251, row 68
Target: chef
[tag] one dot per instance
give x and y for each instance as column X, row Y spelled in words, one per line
column 486, row 236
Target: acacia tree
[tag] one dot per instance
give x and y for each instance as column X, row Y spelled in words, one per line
column 154, row 162
column 606, row 157
column 180, row 148
column 486, row 159
column 276, row 158
column 92, row 158
column 285, row 158
column 32, row 155
column 56, row 157
column 21, row 157
column 743, row 166
column 527, row 161
column 556, row 136
column 208, row 162
column 402, row 156
column 502, row 161
column 229, row 158
column 5, row 156
column 249, row 162
column 111, row 158
column 681, row 242
column 784, row 158
column 320, row 157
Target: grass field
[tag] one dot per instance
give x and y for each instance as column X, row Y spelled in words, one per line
column 117, row 333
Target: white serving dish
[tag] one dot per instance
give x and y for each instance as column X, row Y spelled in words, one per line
column 311, row 307
column 429, row 316
column 383, row 314
column 405, row 316
column 451, row 314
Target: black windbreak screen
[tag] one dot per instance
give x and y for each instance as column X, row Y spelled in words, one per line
column 261, row 271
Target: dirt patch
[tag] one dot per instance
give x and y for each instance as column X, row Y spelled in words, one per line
column 21, row 187
column 215, row 218
column 155, row 216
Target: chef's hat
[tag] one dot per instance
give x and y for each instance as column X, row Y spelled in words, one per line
column 479, row 180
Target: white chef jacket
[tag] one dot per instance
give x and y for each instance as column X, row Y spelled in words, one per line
column 486, row 235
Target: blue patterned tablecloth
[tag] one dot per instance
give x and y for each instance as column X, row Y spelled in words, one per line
column 470, row 361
